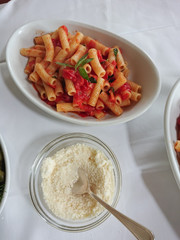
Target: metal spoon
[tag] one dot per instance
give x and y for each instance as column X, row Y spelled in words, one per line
column 82, row 186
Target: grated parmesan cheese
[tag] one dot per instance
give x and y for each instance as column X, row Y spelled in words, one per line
column 59, row 173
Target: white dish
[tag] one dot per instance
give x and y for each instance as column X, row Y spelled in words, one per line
column 7, row 174
column 171, row 113
column 142, row 69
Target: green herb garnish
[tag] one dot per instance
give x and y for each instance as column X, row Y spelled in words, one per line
column 79, row 66
column 115, row 50
column 83, row 73
column 65, row 64
column 81, row 60
column 92, row 80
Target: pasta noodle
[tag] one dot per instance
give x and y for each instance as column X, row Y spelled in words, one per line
column 31, row 52
column 70, row 87
column 119, row 81
column 63, row 38
column 67, row 107
column 99, row 114
column 78, row 54
column 99, row 105
column 58, row 89
column 120, row 60
column 135, row 96
column 112, row 61
column 106, row 86
column 97, row 45
column 49, row 48
column 44, row 75
column 76, row 73
column 41, row 91
column 96, row 91
column 30, row 65
column 96, row 66
column 49, row 92
column 87, row 68
column 134, row 86
column 75, row 41
column 116, row 109
column 177, row 146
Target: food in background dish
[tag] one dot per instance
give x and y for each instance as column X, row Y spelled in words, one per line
column 177, row 142
column 76, row 73
column 59, row 173
column 2, row 174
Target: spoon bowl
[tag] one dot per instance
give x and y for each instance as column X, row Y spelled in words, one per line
column 82, row 186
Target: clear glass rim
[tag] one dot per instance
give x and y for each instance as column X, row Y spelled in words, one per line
column 48, row 147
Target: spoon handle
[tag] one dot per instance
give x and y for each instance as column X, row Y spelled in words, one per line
column 139, row 231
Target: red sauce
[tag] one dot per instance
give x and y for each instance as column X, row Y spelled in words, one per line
column 123, row 91
column 65, row 98
column 91, row 44
column 56, row 42
column 82, row 87
column 111, row 96
column 31, row 63
column 114, row 63
column 51, row 103
column 69, row 73
column 101, row 59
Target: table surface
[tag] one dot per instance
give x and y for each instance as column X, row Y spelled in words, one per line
column 149, row 192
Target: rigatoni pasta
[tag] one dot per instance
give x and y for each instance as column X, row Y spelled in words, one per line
column 76, row 73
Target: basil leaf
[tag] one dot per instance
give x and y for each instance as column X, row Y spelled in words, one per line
column 80, row 61
column 92, row 80
column 65, row 64
column 115, row 50
column 83, row 73
column 83, row 62
column 86, row 61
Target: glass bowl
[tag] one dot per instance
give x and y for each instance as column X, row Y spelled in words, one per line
column 35, row 182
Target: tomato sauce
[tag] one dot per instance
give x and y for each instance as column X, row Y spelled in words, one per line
column 82, row 86
column 56, row 42
column 123, row 91
column 91, row 44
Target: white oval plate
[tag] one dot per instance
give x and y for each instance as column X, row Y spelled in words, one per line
column 142, row 69
column 7, row 176
column 171, row 113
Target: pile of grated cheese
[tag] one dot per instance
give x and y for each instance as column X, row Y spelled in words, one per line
column 59, row 173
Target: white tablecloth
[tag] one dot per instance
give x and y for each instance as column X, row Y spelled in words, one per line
column 149, row 192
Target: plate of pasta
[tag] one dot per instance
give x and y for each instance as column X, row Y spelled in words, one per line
column 80, row 73
column 172, row 129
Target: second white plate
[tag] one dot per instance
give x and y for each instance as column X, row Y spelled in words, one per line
column 171, row 113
